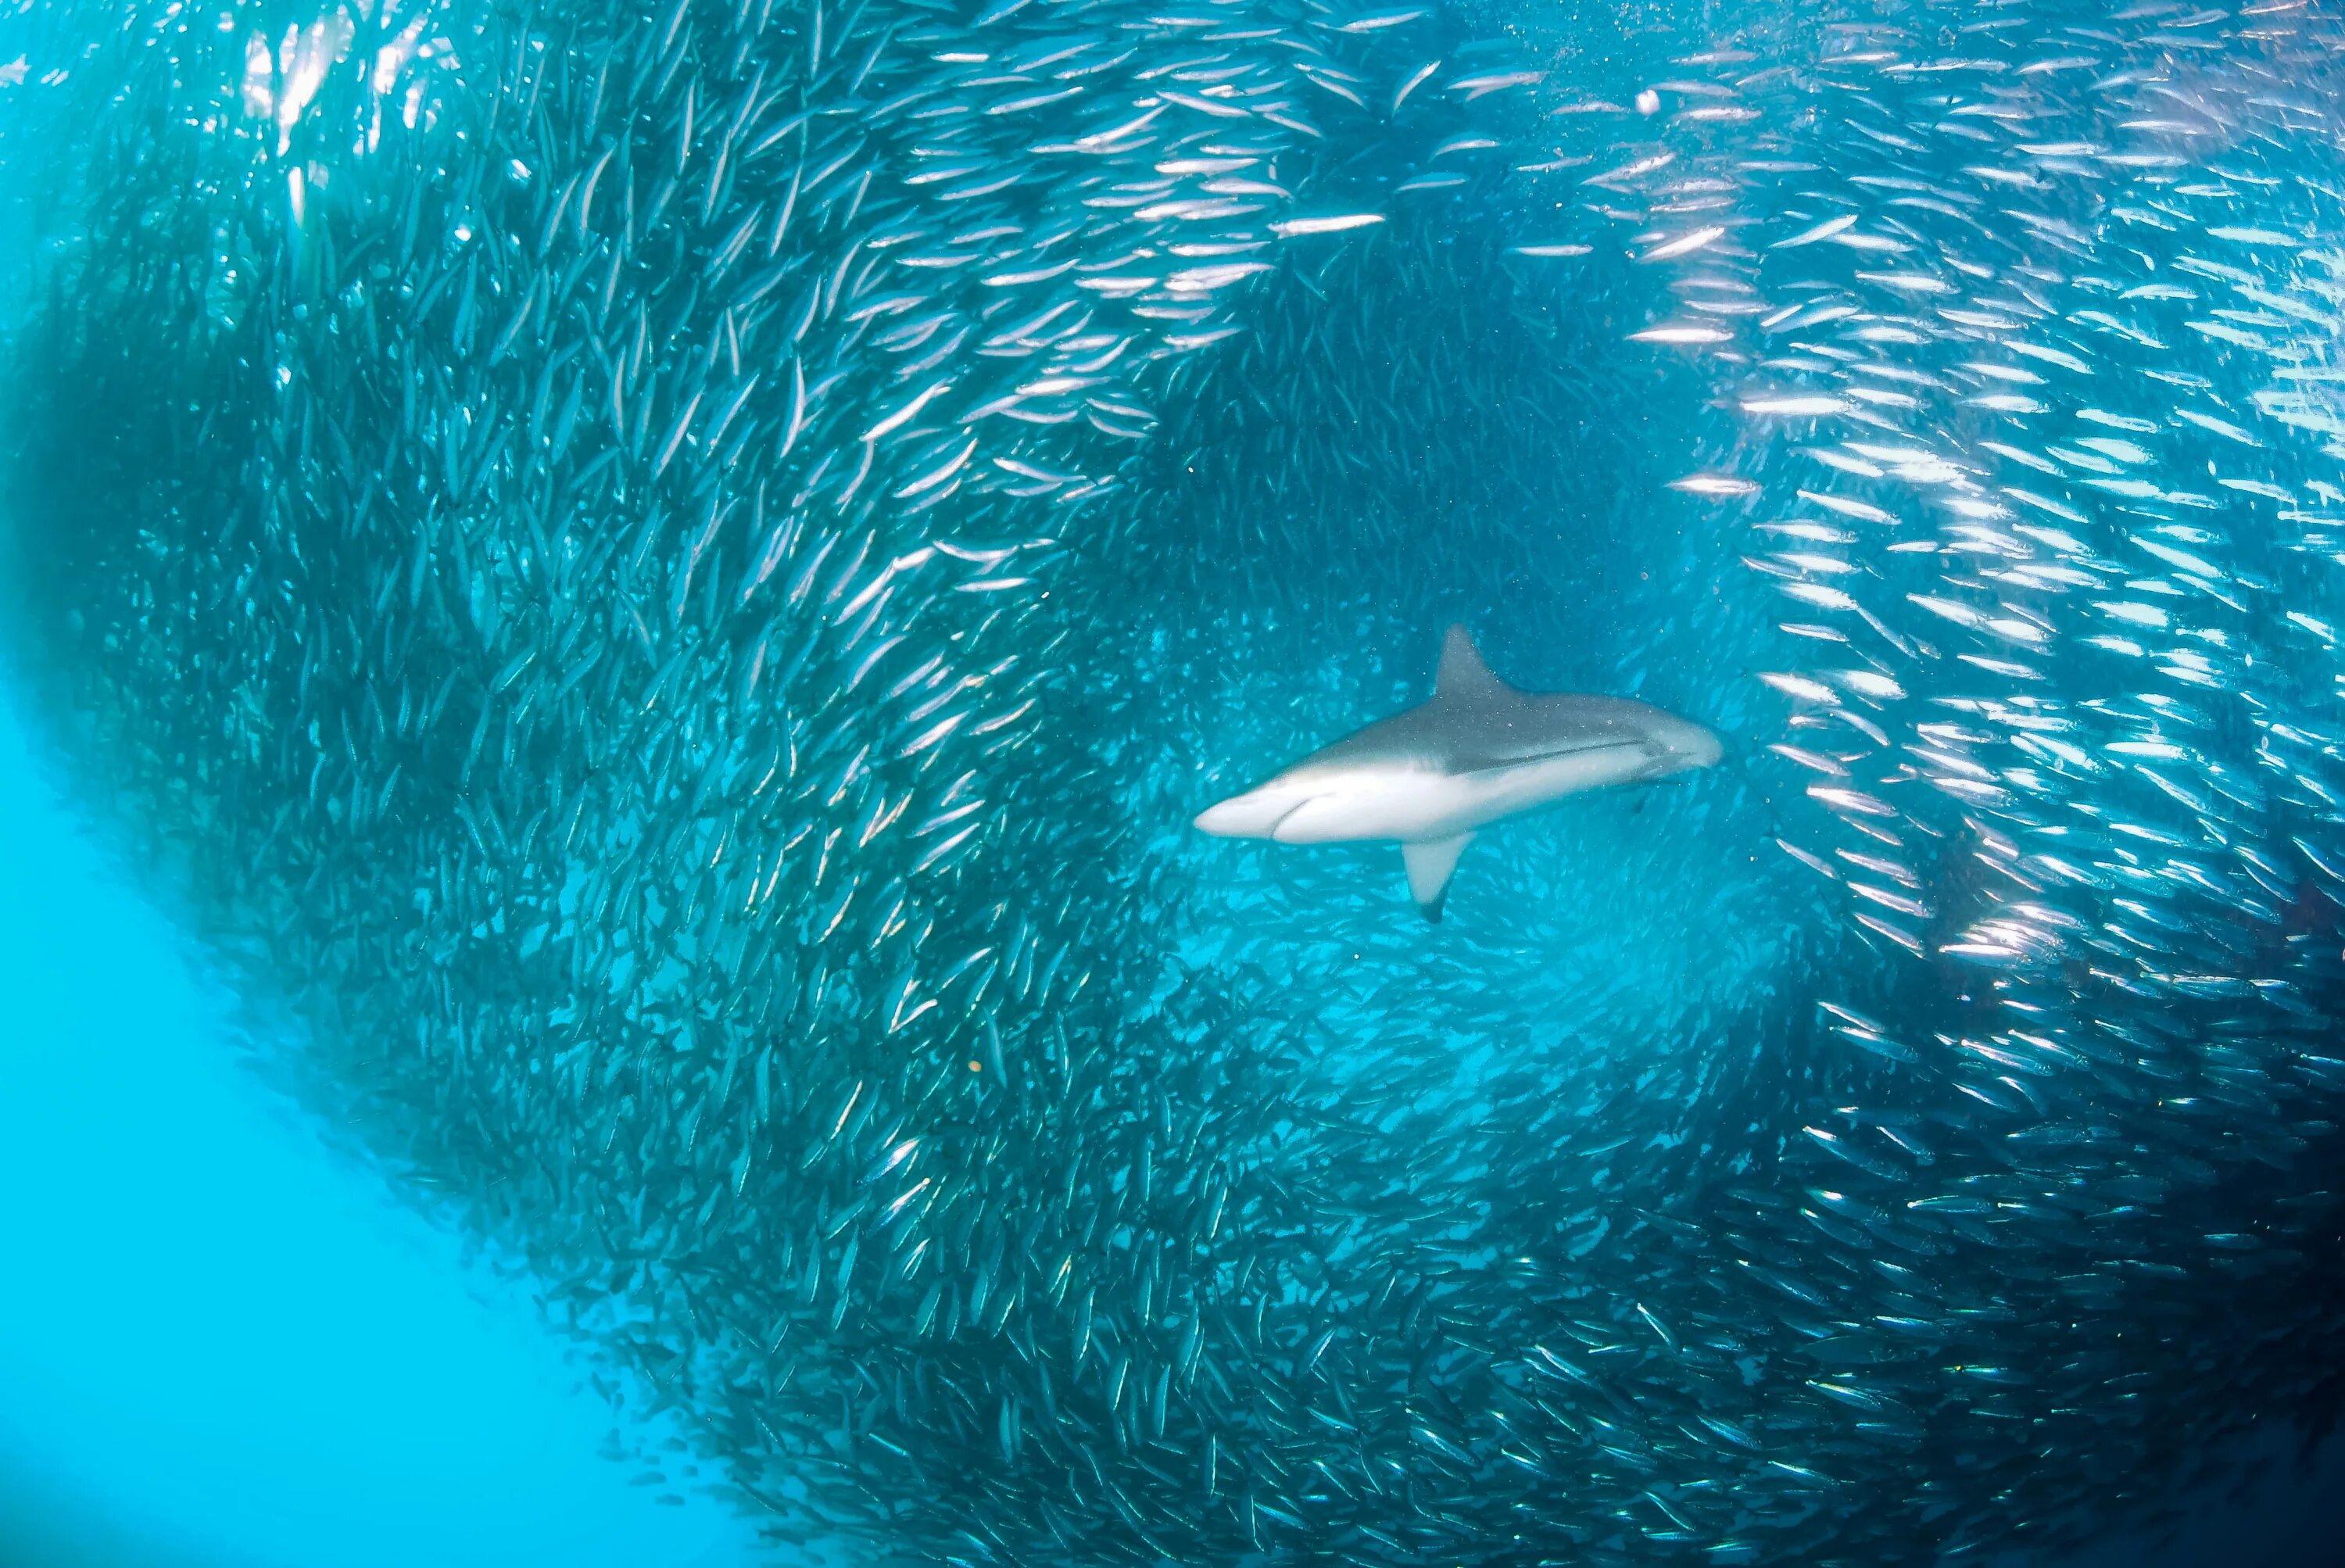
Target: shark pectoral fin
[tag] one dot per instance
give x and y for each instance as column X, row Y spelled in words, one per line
column 1430, row 866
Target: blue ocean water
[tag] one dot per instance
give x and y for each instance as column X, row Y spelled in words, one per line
column 222, row 1343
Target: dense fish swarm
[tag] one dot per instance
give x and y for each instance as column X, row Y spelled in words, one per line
column 668, row 577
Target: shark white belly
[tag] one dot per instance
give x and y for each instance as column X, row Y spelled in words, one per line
column 1479, row 751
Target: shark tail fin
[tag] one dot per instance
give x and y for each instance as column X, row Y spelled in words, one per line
column 1431, row 864
column 1463, row 674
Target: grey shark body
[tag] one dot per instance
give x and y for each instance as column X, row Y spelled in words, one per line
column 1479, row 751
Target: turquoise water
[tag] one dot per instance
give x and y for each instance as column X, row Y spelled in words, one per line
column 224, row 1343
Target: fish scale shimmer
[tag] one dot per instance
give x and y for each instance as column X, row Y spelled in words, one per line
column 668, row 580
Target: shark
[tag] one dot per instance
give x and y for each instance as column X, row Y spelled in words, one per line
column 1479, row 751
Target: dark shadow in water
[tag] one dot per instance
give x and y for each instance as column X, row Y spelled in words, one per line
column 2283, row 1508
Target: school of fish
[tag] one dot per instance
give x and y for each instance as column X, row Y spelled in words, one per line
column 664, row 581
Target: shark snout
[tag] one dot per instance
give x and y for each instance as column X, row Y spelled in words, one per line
column 1696, row 747
column 1256, row 814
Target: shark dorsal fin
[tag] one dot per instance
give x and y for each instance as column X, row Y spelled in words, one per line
column 1462, row 673
column 1430, row 867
